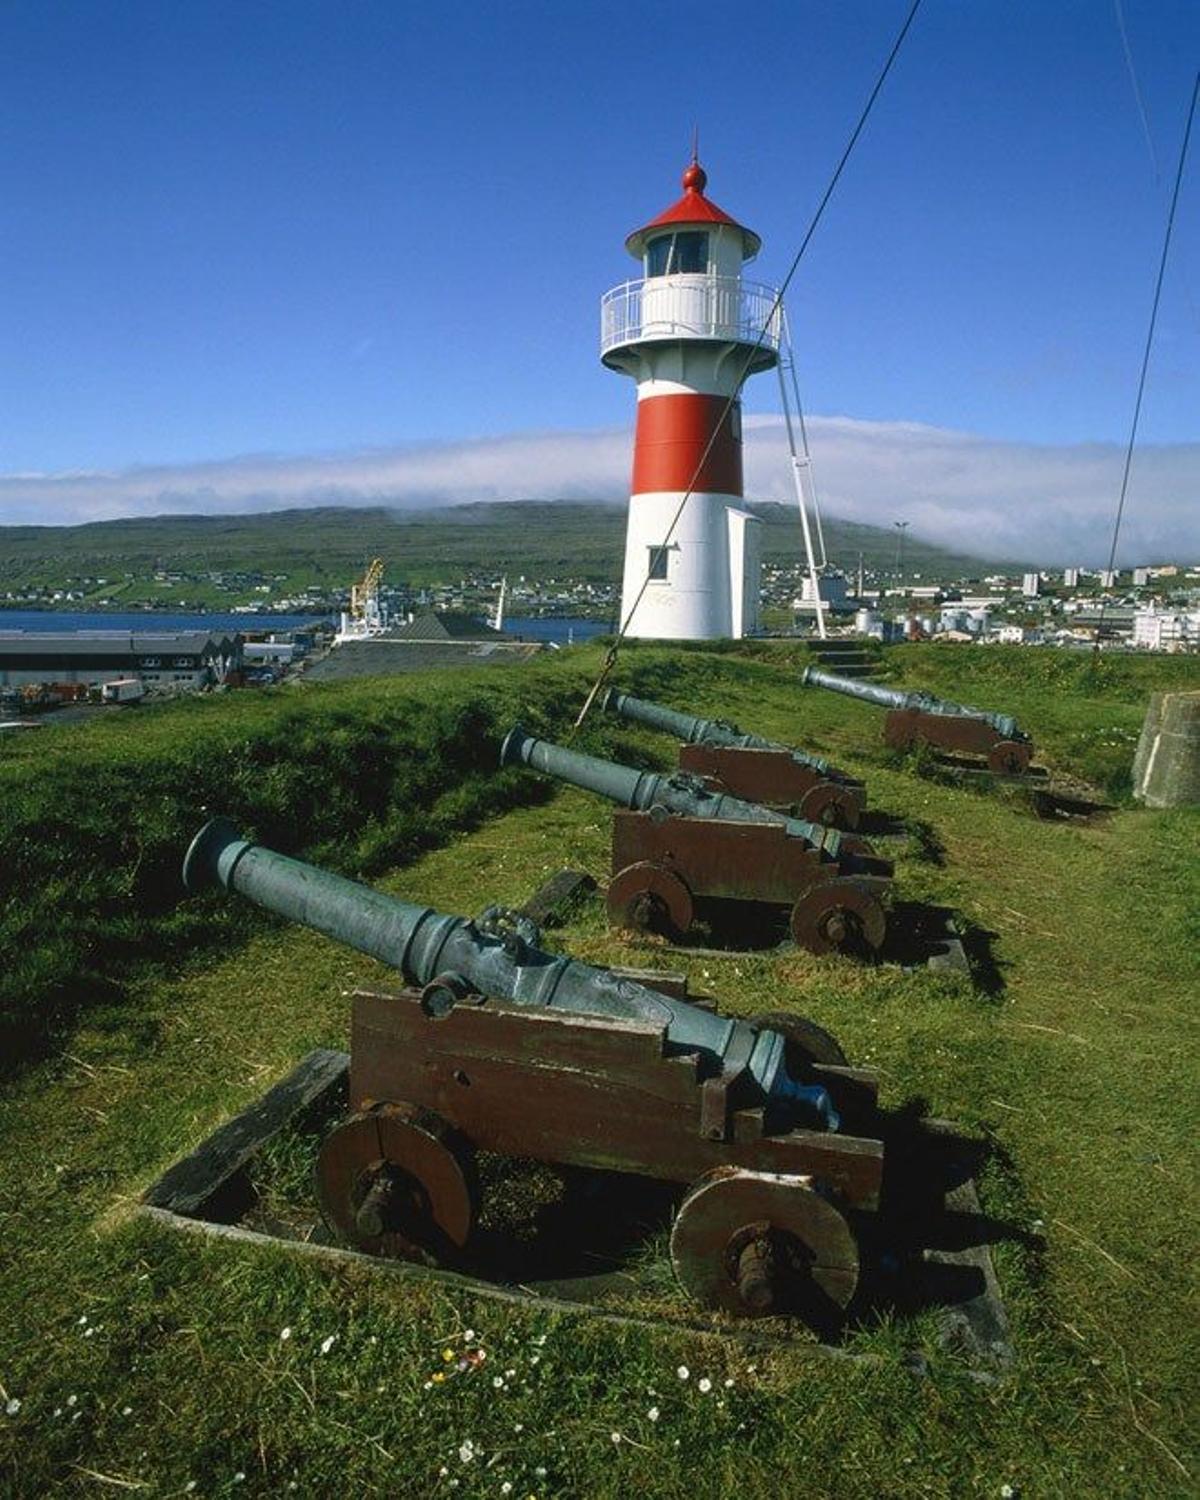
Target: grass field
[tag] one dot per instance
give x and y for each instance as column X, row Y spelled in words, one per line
column 133, row 1359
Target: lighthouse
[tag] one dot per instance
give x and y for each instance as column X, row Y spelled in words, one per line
column 688, row 330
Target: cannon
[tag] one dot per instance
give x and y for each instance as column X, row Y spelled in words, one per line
column 677, row 843
column 920, row 718
column 496, row 1045
column 748, row 766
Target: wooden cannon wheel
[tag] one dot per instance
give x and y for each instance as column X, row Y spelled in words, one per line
column 805, row 1042
column 754, row 1243
column 839, row 915
column 829, row 804
column 854, row 843
column 1009, row 758
column 648, row 897
column 398, row 1181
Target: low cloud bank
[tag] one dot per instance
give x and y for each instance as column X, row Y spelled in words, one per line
column 994, row 499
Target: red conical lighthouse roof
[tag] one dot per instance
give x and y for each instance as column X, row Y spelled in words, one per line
column 693, row 211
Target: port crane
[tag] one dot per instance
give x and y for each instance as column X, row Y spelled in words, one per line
column 365, row 615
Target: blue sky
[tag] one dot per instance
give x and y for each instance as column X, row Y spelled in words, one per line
column 300, row 228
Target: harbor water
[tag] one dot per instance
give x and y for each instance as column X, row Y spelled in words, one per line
column 151, row 621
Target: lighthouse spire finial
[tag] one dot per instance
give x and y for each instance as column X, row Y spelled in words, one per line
column 695, row 179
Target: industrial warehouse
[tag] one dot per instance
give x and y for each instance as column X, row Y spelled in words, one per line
column 184, row 662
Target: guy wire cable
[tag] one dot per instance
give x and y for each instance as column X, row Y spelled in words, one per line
column 1148, row 138
column 1137, row 405
column 1137, row 93
column 610, row 659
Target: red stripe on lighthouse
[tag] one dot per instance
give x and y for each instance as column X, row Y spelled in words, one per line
column 672, row 434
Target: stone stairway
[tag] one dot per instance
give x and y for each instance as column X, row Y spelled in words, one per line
column 847, row 658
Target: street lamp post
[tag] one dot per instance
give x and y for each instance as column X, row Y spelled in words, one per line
column 901, row 528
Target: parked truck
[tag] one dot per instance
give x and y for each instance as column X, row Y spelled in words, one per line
column 123, row 690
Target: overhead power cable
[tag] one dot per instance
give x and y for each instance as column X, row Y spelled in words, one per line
column 610, row 659
column 1141, row 389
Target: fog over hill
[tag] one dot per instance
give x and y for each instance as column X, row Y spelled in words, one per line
column 974, row 495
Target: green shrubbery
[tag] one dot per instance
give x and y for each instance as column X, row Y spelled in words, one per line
column 358, row 776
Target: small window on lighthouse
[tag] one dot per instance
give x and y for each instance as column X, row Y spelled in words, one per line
column 671, row 253
column 658, row 563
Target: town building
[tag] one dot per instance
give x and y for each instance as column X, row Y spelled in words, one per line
column 1166, row 629
column 1110, row 621
column 834, row 596
column 180, row 662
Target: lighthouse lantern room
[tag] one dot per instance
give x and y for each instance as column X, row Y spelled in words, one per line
column 688, row 331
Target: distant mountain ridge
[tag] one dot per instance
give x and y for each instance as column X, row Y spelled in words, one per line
column 542, row 538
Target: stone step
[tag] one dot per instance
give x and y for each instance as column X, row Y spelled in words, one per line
column 846, row 658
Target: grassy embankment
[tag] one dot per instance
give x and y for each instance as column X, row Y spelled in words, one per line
column 152, row 1362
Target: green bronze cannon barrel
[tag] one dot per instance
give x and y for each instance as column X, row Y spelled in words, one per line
column 926, row 703
column 696, row 731
column 642, row 790
column 452, row 956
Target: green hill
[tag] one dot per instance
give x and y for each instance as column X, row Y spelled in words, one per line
column 540, row 538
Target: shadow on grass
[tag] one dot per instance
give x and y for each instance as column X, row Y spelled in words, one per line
column 918, row 935
column 923, row 841
column 986, row 970
column 927, row 1237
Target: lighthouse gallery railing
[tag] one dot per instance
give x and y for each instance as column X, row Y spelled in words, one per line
column 689, row 306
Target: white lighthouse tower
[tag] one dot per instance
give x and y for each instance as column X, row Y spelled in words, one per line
column 685, row 331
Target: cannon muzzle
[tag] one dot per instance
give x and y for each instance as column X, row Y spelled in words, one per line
column 697, row 731
column 926, row 703
column 496, row 957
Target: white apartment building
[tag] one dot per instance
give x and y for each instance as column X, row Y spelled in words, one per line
column 1020, row 635
column 1166, row 630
